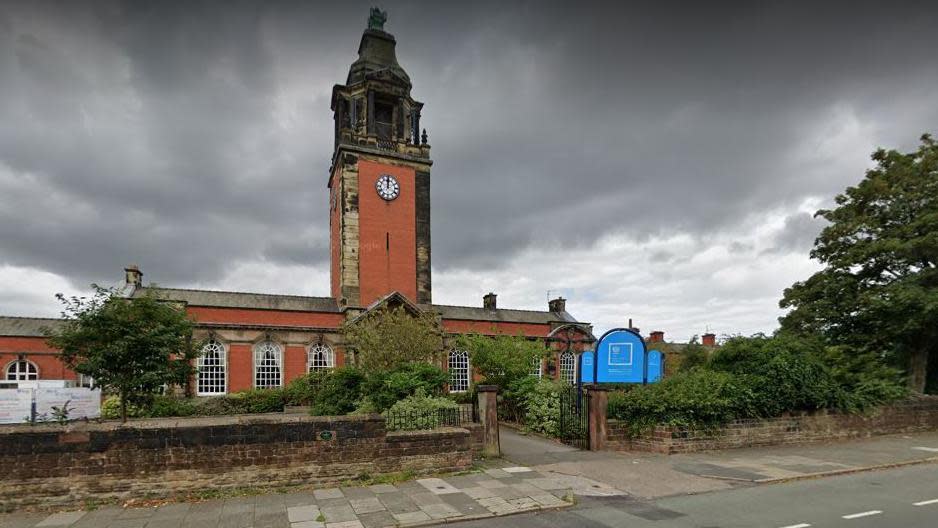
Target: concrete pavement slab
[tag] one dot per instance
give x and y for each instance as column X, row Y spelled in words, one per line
column 381, row 519
column 61, row 519
column 303, row 513
column 369, row 505
column 328, row 493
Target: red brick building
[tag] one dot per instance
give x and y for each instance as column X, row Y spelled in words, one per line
column 379, row 199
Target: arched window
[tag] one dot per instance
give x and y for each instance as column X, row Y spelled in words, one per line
column 268, row 362
column 458, row 371
column 212, row 368
column 568, row 368
column 319, row 357
column 22, row 370
column 537, row 368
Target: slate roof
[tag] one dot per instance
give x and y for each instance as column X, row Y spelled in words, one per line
column 25, row 326
column 266, row 301
column 263, row 301
column 503, row 315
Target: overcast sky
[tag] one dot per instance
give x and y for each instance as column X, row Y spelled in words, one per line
column 657, row 161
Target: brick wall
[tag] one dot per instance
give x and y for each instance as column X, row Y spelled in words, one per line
column 56, row 465
column 919, row 414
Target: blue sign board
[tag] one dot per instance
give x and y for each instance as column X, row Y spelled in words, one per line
column 586, row 367
column 655, row 366
column 620, row 357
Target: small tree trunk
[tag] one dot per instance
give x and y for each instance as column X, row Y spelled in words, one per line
column 918, row 369
column 123, row 407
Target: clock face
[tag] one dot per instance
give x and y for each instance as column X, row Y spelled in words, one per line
column 387, row 187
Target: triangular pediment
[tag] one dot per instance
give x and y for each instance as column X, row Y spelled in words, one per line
column 392, row 300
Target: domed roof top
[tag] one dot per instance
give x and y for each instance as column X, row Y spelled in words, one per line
column 376, row 53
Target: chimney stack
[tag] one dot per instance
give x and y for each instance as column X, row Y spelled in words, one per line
column 557, row 305
column 488, row 301
column 133, row 276
column 656, row 336
column 709, row 339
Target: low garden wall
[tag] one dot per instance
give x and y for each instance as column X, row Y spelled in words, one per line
column 920, row 414
column 52, row 464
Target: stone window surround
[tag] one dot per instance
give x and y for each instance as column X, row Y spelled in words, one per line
column 21, row 370
column 222, row 364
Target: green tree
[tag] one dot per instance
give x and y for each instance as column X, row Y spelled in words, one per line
column 502, row 359
column 393, row 336
column 878, row 291
column 130, row 347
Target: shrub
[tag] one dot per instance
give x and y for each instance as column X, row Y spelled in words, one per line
column 162, row 406
column 217, row 406
column 254, row 401
column 333, row 392
column 111, row 409
column 385, row 388
column 697, row 399
column 542, row 407
column 514, row 397
column 420, row 411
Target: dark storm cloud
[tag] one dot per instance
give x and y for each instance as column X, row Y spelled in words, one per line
column 190, row 136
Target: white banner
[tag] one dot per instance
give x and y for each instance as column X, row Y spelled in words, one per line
column 82, row 402
column 15, row 405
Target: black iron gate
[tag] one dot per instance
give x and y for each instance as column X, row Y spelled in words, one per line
column 574, row 417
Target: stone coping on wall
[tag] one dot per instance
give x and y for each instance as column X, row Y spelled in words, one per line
column 178, row 422
column 47, row 464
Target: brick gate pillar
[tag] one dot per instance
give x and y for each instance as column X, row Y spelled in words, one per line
column 598, row 402
column 488, row 415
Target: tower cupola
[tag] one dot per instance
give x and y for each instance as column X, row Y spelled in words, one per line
column 374, row 108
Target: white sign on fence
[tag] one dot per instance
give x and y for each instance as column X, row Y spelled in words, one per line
column 82, row 402
column 15, row 405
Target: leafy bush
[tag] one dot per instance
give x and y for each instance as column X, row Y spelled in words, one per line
column 512, row 404
column 757, row 377
column 542, row 407
column 170, row 406
column 386, row 387
column 419, row 411
column 696, row 398
column 111, row 409
column 254, row 401
column 327, row 392
column 157, row 407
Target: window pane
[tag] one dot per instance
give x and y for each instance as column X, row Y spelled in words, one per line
column 568, row 368
column 320, row 357
column 458, row 371
column 268, row 358
column 212, row 369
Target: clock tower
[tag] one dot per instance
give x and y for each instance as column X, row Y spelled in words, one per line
column 379, row 182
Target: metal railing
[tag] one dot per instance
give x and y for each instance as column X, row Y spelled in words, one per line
column 431, row 419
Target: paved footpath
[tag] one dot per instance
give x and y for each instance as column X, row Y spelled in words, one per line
column 497, row 491
column 651, row 476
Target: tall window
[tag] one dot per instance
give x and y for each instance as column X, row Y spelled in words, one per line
column 320, row 357
column 212, row 369
column 22, row 370
column 537, row 367
column 458, row 371
column 268, row 361
column 568, row 367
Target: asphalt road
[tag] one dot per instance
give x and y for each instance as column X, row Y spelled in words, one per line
column 905, row 497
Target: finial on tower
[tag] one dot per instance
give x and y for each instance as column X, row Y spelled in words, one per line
column 377, row 18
